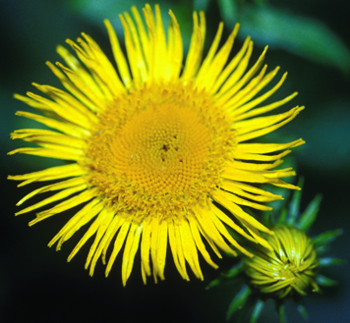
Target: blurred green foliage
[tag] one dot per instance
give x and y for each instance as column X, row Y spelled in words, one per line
column 292, row 32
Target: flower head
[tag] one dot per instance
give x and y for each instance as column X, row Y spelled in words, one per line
column 291, row 265
column 157, row 149
column 289, row 270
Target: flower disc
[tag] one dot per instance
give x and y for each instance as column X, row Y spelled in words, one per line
column 163, row 152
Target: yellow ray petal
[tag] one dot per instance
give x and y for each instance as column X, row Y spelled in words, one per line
column 207, row 225
column 145, row 249
column 47, row 136
column 175, row 48
column 189, row 248
column 224, row 218
column 195, row 51
column 199, row 243
column 223, row 231
column 112, row 230
column 72, row 88
column 239, row 213
column 65, row 205
column 118, row 55
column 60, row 126
column 161, row 248
column 174, row 248
column 154, row 240
column 119, row 241
column 244, row 134
column 88, row 234
column 268, row 148
column 49, row 174
column 235, row 188
column 103, row 241
column 58, row 196
column 101, row 224
column 131, row 246
column 53, row 187
column 83, row 216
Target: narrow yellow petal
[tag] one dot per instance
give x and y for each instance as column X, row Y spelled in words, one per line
column 128, row 257
column 59, row 153
column 173, row 247
column 119, row 241
column 136, row 59
column 180, row 252
column 118, row 55
column 66, row 128
column 112, row 230
column 259, row 157
column 255, row 167
column 58, row 196
column 83, row 216
column 162, row 248
column 223, row 231
column 154, row 240
column 47, row 136
column 88, row 234
column 133, row 250
column 65, row 205
column 224, row 218
column 239, row 213
column 175, row 48
column 199, row 243
column 53, row 187
column 49, row 174
column 287, row 117
column 207, row 62
column 100, row 224
column 145, row 248
column 103, row 241
column 268, row 148
column 72, row 88
column 235, row 188
column 189, row 248
column 231, row 66
column 195, row 51
column 204, row 220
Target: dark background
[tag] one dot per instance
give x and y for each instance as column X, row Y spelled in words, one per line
column 36, row 283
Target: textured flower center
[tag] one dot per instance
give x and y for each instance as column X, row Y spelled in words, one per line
column 158, row 148
column 162, row 148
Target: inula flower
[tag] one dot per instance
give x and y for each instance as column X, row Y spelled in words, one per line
column 290, row 270
column 157, row 150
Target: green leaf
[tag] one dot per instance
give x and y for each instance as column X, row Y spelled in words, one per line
column 213, row 283
column 302, row 36
column 200, row 5
column 325, row 281
column 329, row 261
column 282, row 313
column 309, row 215
column 283, row 216
column 326, row 237
column 257, row 310
column 234, row 271
column 302, row 310
column 228, row 12
column 238, row 301
column 295, row 204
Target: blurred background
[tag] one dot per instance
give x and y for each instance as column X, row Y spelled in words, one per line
column 309, row 39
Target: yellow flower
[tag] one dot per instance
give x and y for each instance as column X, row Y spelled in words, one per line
column 157, row 148
column 290, row 266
